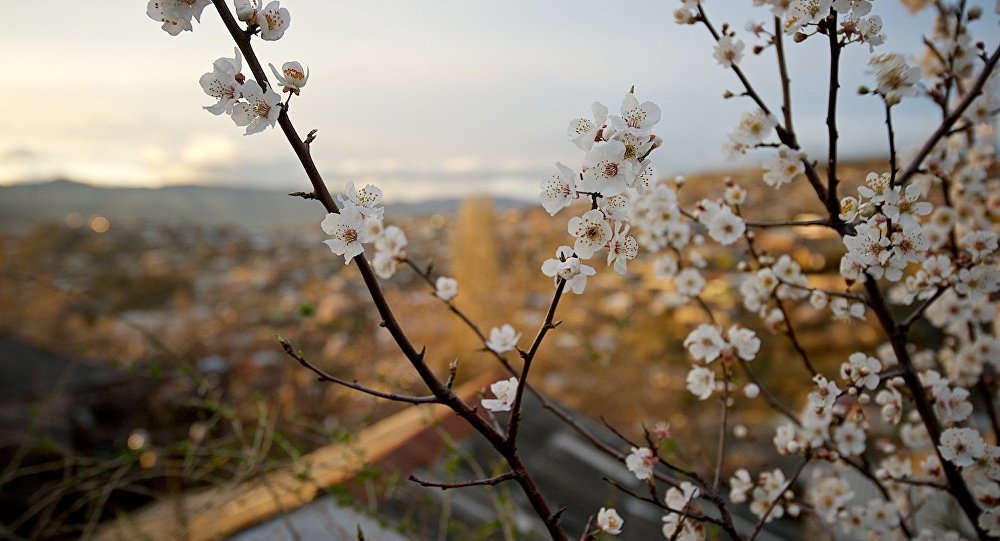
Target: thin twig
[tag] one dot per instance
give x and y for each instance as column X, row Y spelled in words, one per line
column 492, row 481
column 774, row 502
column 324, row 376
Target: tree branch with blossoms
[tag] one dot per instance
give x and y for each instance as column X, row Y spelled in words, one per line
column 898, row 248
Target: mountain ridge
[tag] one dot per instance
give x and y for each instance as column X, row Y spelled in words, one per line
column 25, row 205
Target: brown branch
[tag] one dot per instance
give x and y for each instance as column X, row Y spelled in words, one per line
column 790, row 332
column 789, row 223
column 897, row 336
column 416, row 358
column 919, row 311
column 974, row 91
column 786, row 135
column 892, row 142
column 723, row 427
column 778, row 406
column 832, row 201
column 492, row 481
column 786, row 95
column 528, row 357
column 324, row 376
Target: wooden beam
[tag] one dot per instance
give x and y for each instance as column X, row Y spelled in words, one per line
column 216, row 513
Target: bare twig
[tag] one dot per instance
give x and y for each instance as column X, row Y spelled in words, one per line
column 324, row 376
column 492, row 481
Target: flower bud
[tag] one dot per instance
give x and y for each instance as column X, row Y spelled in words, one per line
column 975, row 12
column 799, row 37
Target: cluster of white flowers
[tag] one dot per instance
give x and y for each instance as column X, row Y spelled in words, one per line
column 770, row 490
column 707, row 344
column 360, row 222
column 891, row 238
column 176, row 15
column 245, row 100
column 615, row 171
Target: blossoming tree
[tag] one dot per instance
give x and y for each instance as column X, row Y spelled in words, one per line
column 914, row 420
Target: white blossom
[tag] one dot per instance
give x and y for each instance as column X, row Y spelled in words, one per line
column 503, row 339
column 347, row 232
column 962, row 446
column 592, row 233
column 446, row 288
column 292, row 77
column 260, row 110
column 558, row 189
column 701, row 382
column 609, row 522
column 273, row 21
column 640, row 462
column 505, row 391
column 584, row 131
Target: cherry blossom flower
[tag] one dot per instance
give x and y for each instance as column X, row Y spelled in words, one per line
column 609, row 522
column 568, row 267
column 894, row 78
column 803, row 12
column 640, row 462
column 727, row 52
column 346, row 230
column 173, row 24
column 726, row 227
column 705, row 343
column 754, row 127
column 680, row 528
column 292, row 77
column 246, row 10
column 558, row 189
column 980, row 243
column 961, row 446
column 689, row 282
column 701, row 382
column 503, row 339
column 825, row 396
column 505, row 391
column 905, row 209
column 622, row 248
column 744, row 341
column 751, row 390
column 990, row 519
column 861, row 370
column 260, row 110
column 858, row 8
column 446, row 288
column 592, row 233
column 273, row 21
column 224, row 83
column 606, row 171
column 584, row 131
column 637, row 119
column 850, row 439
column 740, row 485
column 367, row 199
column 678, row 498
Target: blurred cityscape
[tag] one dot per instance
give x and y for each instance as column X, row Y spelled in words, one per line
column 146, row 347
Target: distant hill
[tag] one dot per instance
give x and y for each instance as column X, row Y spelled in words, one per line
column 24, row 205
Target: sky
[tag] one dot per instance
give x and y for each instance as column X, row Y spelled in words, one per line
column 437, row 98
